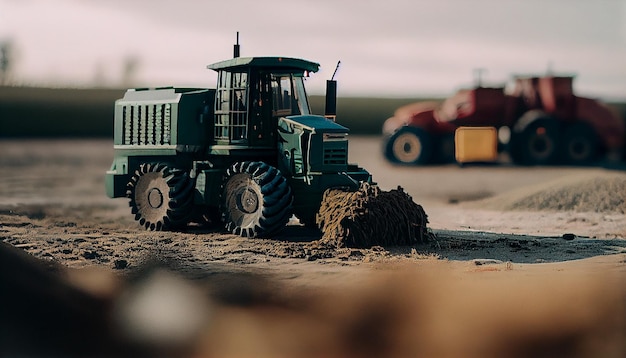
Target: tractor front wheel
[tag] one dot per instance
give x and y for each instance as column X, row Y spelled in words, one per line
column 409, row 145
column 160, row 197
column 256, row 199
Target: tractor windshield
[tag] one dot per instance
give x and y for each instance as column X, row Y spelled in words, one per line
column 289, row 96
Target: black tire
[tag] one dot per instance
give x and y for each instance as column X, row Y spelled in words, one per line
column 445, row 153
column 161, row 198
column 409, row 145
column 580, row 144
column 256, row 199
column 536, row 144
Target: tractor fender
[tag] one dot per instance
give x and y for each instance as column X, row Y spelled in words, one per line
column 528, row 118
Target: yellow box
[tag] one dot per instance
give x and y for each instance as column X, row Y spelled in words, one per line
column 476, row 144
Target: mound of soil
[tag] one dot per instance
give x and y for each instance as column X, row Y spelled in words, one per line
column 371, row 217
column 604, row 193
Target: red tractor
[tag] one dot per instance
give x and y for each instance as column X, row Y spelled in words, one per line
column 547, row 124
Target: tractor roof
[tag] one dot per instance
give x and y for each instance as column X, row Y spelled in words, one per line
column 266, row 62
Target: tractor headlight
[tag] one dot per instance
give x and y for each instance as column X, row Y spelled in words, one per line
column 330, row 137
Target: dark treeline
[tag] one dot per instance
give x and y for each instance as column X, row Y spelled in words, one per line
column 29, row 112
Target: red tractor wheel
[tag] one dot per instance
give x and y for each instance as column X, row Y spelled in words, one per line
column 580, row 144
column 537, row 144
column 409, row 145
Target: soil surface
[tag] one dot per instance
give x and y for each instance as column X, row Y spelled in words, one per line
column 52, row 204
column 492, row 225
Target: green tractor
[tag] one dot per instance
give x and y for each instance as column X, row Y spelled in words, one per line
column 248, row 154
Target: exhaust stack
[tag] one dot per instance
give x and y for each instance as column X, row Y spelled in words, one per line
column 330, row 111
column 236, row 47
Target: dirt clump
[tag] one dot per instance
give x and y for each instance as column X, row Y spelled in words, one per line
column 371, row 217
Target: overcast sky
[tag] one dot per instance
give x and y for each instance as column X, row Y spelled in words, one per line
column 400, row 48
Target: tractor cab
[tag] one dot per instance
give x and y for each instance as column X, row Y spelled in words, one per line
column 253, row 93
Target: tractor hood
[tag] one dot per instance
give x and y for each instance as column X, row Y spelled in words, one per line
column 408, row 114
column 410, row 110
column 315, row 124
column 312, row 144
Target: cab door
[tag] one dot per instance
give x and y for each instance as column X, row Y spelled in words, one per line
column 262, row 125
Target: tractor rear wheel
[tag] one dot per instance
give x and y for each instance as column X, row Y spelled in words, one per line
column 580, row 146
column 256, row 199
column 536, row 144
column 160, row 197
column 409, row 145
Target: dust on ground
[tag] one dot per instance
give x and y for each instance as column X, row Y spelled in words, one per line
column 523, row 262
column 52, row 204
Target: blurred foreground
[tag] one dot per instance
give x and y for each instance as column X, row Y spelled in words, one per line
column 80, row 278
column 433, row 310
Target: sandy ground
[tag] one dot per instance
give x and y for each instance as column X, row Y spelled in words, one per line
column 497, row 229
column 52, row 201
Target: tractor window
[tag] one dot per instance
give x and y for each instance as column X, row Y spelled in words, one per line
column 289, row 95
column 300, row 95
column 231, row 115
column 282, row 95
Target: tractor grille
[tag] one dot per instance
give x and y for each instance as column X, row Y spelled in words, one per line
column 146, row 124
column 335, row 156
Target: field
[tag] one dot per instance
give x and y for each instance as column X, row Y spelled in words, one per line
column 89, row 112
column 524, row 262
column 44, row 112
